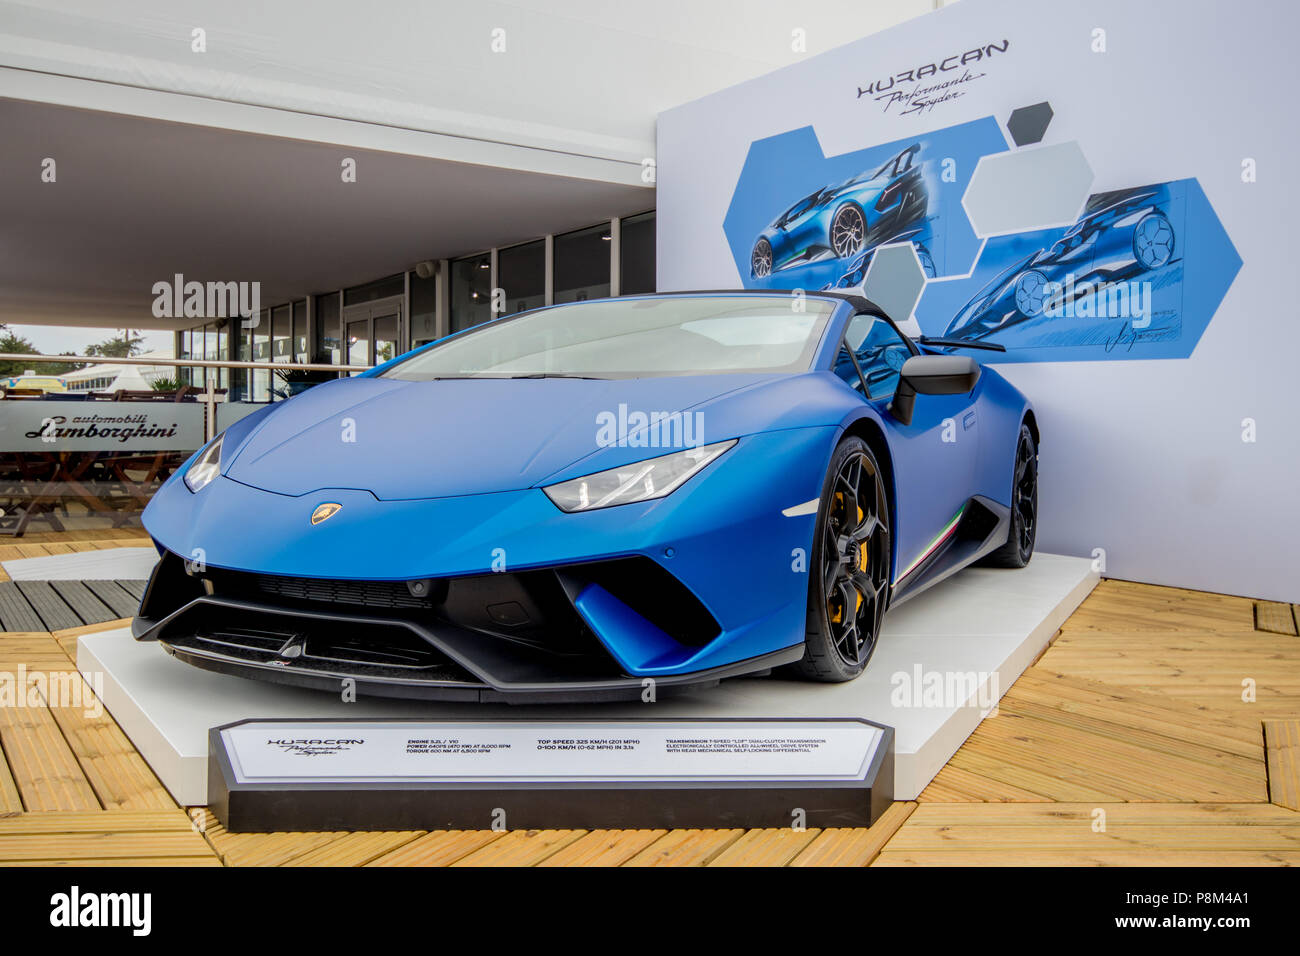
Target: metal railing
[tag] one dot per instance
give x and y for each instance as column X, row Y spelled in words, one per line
column 176, row 363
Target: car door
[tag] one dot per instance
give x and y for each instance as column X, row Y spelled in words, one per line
column 934, row 457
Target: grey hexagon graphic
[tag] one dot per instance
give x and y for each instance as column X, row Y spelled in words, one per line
column 894, row 280
column 1028, row 124
column 1027, row 189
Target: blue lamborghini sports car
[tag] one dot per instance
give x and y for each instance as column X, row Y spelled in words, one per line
column 574, row 501
column 843, row 219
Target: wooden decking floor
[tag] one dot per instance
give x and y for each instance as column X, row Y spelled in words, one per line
column 1162, row 727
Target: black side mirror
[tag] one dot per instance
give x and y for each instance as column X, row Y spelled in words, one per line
column 932, row 375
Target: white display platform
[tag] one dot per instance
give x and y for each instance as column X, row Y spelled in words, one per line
column 110, row 564
column 980, row 625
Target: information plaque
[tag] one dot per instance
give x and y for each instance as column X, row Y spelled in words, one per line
column 268, row 775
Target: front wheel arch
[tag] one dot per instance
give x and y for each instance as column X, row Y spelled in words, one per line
column 871, row 432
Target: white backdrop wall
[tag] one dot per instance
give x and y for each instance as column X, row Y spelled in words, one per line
column 1183, row 470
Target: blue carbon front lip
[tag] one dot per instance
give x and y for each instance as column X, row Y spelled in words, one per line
column 722, row 535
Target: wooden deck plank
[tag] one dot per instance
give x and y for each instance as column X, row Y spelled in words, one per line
column 857, row 846
column 521, row 848
column 355, row 849
column 1123, row 605
column 106, row 845
column 257, row 849
column 775, row 846
column 95, row 821
column 1274, row 617
column 111, row 593
column 1084, row 834
column 1191, row 721
column 1083, row 837
column 81, row 599
column 1137, row 761
column 685, row 848
column 438, row 848
column 43, row 765
column 127, row 861
column 16, row 614
column 1039, row 776
column 118, row 774
column 956, row 785
column 1282, row 744
column 133, row 586
column 11, row 802
column 47, row 603
column 37, row 652
column 1072, row 815
column 603, row 848
column 1097, row 856
column 102, row 837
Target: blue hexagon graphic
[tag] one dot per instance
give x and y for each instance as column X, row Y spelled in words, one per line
column 801, row 219
column 1138, row 276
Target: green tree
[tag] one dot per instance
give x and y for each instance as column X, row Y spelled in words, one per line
column 16, row 344
column 119, row 346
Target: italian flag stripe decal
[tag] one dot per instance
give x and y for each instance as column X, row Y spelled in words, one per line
column 943, row 536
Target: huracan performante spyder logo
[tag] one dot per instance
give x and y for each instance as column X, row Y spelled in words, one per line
column 325, row 511
column 911, row 90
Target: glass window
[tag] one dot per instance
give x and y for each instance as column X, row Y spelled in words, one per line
column 328, row 344
column 582, row 264
column 424, row 309
column 632, row 338
column 382, row 289
column 359, row 342
column 281, row 334
column 471, row 291
column 385, row 338
column 241, row 351
column 521, row 274
column 261, row 379
column 185, row 375
column 636, row 239
column 300, row 331
column 880, row 352
column 222, row 375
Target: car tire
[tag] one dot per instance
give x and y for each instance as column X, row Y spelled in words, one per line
column 848, row 231
column 1019, row 547
column 851, row 555
column 760, row 260
column 1153, row 241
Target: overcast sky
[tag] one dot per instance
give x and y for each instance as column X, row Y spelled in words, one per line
column 55, row 339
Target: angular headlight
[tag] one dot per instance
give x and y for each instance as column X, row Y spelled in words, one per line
column 206, row 467
column 639, row 481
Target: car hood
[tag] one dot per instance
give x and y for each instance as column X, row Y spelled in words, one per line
column 401, row 440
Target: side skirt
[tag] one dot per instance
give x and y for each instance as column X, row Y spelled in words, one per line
column 982, row 526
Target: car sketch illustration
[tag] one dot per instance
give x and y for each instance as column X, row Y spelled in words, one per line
column 841, row 220
column 1122, row 236
column 567, row 503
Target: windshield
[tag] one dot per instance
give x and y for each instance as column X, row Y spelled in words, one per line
column 633, row 338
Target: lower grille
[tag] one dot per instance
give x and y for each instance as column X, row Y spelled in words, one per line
column 375, row 650
column 390, row 595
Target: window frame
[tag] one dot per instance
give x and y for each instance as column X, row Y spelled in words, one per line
column 844, row 345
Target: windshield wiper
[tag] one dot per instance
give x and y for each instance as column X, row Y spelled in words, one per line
column 594, row 378
column 961, row 343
